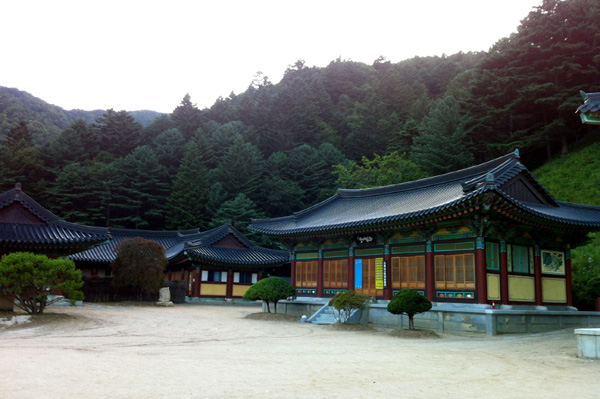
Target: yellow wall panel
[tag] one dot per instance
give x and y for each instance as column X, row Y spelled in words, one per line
column 554, row 290
column 213, row 289
column 493, row 287
column 240, row 290
column 521, row 289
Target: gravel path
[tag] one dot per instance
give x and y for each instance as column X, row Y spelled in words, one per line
column 196, row 351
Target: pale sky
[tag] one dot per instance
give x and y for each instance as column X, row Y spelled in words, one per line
column 133, row 55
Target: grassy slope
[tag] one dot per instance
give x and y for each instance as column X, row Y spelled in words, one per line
column 575, row 177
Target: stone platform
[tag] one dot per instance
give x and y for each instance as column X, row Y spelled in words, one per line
column 464, row 317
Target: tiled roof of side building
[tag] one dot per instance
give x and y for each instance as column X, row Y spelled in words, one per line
column 207, row 249
column 350, row 209
column 194, row 243
column 172, row 241
column 33, row 224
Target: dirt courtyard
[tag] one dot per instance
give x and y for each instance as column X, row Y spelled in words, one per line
column 202, row 351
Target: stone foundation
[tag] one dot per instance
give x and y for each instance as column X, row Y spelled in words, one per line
column 464, row 317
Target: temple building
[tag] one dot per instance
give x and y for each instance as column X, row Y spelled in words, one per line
column 219, row 263
column 481, row 235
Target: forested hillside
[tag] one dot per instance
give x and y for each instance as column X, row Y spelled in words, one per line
column 46, row 121
column 279, row 148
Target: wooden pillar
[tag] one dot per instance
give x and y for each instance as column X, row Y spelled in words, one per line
column 480, row 270
column 569, row 277
column 537, row 269
column 293, row 268
column 198, row 275
column 503, row 274
column 351, row 268
column 229, row 289
column 387, row 290
column 429, row 272
column 320, row 274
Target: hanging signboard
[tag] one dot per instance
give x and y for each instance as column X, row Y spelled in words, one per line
column 366, row 239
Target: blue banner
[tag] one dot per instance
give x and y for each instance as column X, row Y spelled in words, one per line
column 358, row 273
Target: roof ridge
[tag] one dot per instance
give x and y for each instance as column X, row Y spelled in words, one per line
column 18, row 195
column 457, row 175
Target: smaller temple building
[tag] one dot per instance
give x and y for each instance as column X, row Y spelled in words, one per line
column 485, row 234
column 218, row 263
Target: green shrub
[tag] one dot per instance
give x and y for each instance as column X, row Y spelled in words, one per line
column 270, row 289
column 31, row 278
column 347, row 302
column 139, row 264
column 409, row 302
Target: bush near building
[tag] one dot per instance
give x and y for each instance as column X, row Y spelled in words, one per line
column 409, row 302
column 270, row 289
column 31, row 278
column 347, row 302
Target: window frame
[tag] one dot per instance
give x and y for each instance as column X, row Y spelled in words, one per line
column 449, row 267
column 339, row 267
column 401, row 279
column 307, row 273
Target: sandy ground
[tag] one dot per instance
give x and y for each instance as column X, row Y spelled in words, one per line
column 200, row 351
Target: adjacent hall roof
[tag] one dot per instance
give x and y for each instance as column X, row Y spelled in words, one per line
column 506, row 176
column 226, row 245
column 26, row 225
column 588, row 111
column 223, row 245
column 172, row 241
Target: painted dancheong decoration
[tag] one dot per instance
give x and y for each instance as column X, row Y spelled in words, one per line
column 486, row 234
column 589, row 111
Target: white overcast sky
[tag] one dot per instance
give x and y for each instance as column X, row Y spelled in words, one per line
column 132, row 55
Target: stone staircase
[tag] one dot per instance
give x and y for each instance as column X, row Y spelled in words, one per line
column 324, row 315
column 328, row 315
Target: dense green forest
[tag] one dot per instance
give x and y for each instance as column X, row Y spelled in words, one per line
column 279, row 148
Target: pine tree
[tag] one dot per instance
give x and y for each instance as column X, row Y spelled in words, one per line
column 241, row 168
column 239, row 212
column 144, row 188
column 441, row 146
column 187, row 203
column 187, row 117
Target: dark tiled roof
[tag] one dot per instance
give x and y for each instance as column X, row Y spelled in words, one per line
column 591, row 102
column 195, row 244
column 249, row 254
column 353, row 209
column 50, row 229
column 172, row 241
